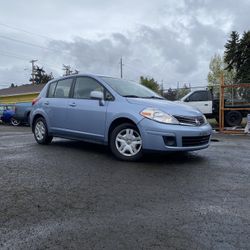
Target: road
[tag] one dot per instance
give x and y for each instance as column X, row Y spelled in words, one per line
column 75, row 195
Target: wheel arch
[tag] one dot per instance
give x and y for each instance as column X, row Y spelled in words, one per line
column 117, row 122
column 34, row 119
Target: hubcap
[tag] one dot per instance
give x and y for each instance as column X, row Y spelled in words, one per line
column 128, row 142
column 14, row 122
column 40, row 130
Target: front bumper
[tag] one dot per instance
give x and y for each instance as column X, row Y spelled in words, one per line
column 187, row 138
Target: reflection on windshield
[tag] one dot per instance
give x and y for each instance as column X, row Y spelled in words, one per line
column 130, row 89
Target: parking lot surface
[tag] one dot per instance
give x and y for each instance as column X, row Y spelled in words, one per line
column 75, row 195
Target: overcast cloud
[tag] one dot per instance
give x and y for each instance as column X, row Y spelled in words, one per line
column 172, row 41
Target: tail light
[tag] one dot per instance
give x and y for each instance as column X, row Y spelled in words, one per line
column 35, row 100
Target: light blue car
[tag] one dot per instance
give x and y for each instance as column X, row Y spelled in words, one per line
column 127, row 116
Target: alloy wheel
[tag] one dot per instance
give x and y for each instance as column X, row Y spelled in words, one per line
column 128, row 142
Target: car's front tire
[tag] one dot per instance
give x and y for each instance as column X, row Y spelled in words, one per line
column 126, row 142
column 41, row 132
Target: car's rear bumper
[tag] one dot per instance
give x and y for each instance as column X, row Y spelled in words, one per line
column 164, row 137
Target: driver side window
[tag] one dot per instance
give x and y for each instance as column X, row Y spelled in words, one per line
column 84, row 86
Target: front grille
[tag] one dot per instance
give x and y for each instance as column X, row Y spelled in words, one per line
column 190, row 120
column 192, row 141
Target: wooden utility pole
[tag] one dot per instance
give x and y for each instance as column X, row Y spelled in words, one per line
column 67, row 70
column 33, row 70
column 221, row 108
column 121, row 67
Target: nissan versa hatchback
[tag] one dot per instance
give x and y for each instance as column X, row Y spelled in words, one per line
column 124, row 115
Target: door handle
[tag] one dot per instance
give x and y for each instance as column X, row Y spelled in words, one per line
column 205, row 104
column 72, row 104
column 46, row 103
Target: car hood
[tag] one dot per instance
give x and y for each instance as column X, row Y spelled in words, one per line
column 172, row 108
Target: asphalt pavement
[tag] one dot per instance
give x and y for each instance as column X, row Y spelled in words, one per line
column 75, row 195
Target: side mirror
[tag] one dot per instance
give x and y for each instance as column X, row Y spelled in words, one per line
column 187, row 99
column 98, row 95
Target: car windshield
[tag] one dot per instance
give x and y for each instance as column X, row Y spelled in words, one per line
column 130, row 89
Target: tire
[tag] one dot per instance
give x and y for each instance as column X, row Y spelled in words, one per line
column 28, row 119
column 41, row 132
column 14, row 122
column 126, row 142
column 233, row 118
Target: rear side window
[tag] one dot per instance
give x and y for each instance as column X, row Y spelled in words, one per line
column 51, row 91
column 62, row 88
column 84, row 86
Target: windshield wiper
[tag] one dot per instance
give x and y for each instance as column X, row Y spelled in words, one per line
column 132, row 96
column 154, row 97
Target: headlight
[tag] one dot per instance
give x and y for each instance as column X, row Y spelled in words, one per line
column 158, row 115
column 205, row 119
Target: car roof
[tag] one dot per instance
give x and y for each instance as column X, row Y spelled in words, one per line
column 82, row 74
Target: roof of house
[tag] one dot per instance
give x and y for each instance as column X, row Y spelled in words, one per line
column 23, row 89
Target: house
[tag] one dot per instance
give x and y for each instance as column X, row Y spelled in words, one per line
column 23, row 93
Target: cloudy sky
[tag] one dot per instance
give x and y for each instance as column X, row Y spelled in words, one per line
column 172, row 41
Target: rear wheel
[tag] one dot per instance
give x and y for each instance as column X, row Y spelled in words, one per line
column 126, row 142
column 41, row 132
column 14, row 122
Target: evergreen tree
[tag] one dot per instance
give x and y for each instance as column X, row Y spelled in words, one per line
column 243, row 71
column 237, row 57
column 231, row 54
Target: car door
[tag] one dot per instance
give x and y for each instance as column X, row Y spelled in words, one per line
column 201, row 100
column 56, row 104
column 87, row 116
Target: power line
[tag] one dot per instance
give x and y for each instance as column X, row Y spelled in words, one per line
column 20, row 57
column 14, row 56
column 27, row 43
column 25, row 31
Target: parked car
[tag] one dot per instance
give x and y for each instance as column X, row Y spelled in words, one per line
column 22, row 112
column 6, row 114
column 127, row 116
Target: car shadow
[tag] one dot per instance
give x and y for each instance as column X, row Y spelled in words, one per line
column 173, row 158
column 159, row 158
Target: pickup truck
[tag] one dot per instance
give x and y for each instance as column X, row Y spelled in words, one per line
column 22, row 112
column 209, row 106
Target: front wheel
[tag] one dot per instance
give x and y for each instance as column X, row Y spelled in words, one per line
column 126, row 142
column 41, row 132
